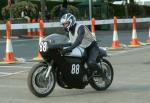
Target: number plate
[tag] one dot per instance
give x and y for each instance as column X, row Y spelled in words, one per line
column 75, row 69
column 43, row 46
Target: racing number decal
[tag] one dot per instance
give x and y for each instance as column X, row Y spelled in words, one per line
column 75, row 69
column 43, row 46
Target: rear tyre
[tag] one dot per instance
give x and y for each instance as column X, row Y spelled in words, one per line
column 101, row 83
column 37, row 83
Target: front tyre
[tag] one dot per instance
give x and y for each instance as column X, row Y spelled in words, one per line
column 101, row 83
column 37, row 83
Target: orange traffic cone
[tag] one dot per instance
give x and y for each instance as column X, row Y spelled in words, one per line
column 29, row 33
column 33, row 29
column 37, row 31
column 9, row 56
column 148, row 39
column 115, row 42
column 134, row 41
column 41, row 35
column 93, row 27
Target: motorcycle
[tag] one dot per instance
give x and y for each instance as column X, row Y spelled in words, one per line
column 68, row 71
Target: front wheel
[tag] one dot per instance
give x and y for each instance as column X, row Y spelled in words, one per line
column 37, row 83
column 101, row 83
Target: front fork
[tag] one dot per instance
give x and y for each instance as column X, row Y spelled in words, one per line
column 49, row 69
column 100, row 64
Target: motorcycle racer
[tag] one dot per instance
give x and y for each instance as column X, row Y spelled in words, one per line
column 80, row 35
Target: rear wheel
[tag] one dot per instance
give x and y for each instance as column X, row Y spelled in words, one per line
column 37, row 83
column 102, row 82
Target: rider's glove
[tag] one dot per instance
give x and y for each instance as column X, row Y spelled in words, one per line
column 66, row 50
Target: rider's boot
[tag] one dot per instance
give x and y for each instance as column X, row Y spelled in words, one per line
column 99, row 69
column 96, row 68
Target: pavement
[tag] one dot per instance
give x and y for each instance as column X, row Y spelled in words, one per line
column 131, row 82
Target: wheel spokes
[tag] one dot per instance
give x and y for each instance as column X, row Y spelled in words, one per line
column 105, row 78
column 41, row 84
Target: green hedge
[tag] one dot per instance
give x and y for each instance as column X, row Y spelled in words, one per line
column 133, row 10
column 55, row 11
column 17, row 8
column 2, row 3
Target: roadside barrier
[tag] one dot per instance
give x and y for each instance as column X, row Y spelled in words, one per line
column 57, row 24
column 9, row 56
column 134, row 40
column 41, row 35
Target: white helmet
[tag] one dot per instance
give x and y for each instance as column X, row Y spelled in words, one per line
column 68, row 18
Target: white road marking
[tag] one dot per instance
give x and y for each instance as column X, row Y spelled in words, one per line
column 127, row 51
column 14, row 67
column 3, row 41
column 12, row 86
column 5, row 74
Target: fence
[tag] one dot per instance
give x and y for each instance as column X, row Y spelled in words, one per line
column 115, row 43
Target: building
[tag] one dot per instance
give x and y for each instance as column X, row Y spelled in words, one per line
column 140, row 2
column 143, row 2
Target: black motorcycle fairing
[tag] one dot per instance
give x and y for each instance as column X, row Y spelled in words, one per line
column 70, row 70
column 67, row 76
column 74, row 72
